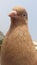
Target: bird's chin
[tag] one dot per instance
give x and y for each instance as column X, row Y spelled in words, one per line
column 13, row 18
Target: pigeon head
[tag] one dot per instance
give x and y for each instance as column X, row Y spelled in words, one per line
column 18, row 14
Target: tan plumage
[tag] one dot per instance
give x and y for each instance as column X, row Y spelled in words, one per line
column 17, row 47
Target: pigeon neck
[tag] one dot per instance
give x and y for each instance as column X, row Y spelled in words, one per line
column 16, row 23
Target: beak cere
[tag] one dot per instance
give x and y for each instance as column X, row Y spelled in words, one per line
column 12, row 13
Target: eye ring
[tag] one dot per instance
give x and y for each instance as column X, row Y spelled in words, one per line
column 23, row 15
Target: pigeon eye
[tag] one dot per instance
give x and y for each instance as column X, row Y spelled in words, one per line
column 23, row 14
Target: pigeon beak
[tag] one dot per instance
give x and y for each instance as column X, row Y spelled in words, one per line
column 12, row 14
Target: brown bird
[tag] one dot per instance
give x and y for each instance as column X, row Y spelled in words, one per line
column 17, row 47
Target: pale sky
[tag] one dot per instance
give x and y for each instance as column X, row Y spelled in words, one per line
column 29, row 5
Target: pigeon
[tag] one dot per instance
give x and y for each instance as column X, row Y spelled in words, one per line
column 17, row 47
